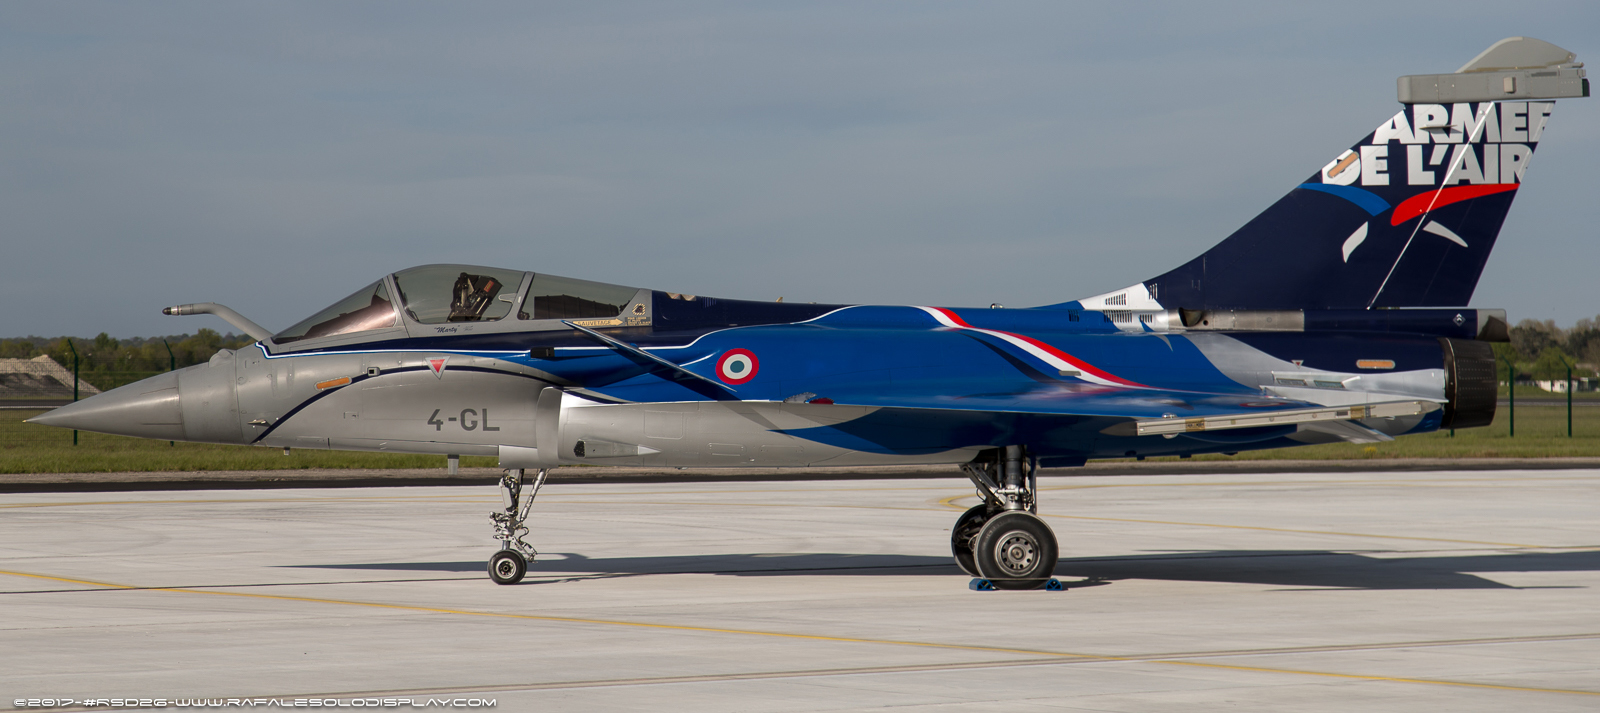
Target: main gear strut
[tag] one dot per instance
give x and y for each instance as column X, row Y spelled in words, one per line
column 1002, row 481
column 1003, row 540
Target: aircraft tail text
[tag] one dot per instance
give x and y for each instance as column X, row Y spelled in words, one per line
column 1407, row 217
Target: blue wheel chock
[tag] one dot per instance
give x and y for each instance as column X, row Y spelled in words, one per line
column 984, row 585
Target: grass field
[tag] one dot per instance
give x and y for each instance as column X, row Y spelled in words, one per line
column 1536, row 394
column 28, row 448
column 1541, row 433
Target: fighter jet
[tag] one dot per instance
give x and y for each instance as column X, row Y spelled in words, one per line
column 1338, row 314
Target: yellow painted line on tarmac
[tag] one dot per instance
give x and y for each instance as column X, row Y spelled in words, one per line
column 1084, row 486
column 537, row 617
column 1308, row 532
column 751, row 505
column 329, row 499
column 1419, row 482
column 950, row 503
column 945, row 503
column 1283, row 484
column 804, row 637
column 463, row 498
column 1387, row 679
column 103, row 585
column 1080, row 486
column 545, row 494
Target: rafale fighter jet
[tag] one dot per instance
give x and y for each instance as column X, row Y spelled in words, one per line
column 1337, row 314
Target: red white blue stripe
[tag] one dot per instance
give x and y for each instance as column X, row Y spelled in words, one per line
column 1059, row 360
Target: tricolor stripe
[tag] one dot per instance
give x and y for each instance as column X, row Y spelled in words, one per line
column 1434, row 200
column 1061, row 360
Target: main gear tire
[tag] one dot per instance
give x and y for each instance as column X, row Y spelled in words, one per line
column 1015, row 550
column 963, row 534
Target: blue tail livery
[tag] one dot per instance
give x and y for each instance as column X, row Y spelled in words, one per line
column 1407, row 216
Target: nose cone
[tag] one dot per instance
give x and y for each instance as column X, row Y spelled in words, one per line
column 145, row 409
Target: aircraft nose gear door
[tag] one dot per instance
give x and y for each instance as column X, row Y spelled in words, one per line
column 1003, row 540
column 509, row 564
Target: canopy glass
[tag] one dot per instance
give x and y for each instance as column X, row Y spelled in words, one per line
column 369, row 308
column 436, row 294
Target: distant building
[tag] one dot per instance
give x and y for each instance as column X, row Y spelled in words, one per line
column 1560, row 385
column 39, row 378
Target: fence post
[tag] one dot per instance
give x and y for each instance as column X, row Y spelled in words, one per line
column 172, row 365
column 1511, row 392
column 74, row 383
column 1569, row 401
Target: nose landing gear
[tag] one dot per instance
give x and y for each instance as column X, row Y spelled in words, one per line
column 510, row 564
column 1003, row 540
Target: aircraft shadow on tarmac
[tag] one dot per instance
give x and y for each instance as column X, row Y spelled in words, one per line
column 1315, row 569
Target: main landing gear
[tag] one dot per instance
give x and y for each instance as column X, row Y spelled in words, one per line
column 1003, row 540
column 509, row 564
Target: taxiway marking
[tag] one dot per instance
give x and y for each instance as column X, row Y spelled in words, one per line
column 950, row 503
column 913, row 668
column 1447, row 482
column 1058, row 656
column 945, row 503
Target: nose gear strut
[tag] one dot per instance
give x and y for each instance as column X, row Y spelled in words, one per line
column 509, row 564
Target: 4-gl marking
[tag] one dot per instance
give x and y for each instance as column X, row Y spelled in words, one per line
column 468, row 420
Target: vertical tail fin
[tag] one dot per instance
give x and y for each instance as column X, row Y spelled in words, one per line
column 1405, row 218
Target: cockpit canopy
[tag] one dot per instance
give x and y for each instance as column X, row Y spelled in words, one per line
column 368, row 309
column 443, row 294
column 436, row 294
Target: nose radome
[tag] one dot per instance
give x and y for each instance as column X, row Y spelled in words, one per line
column 145, row 409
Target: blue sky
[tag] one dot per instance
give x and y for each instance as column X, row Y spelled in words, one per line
column 276, row 156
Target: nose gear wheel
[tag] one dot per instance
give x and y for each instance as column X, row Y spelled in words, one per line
column 507, row 567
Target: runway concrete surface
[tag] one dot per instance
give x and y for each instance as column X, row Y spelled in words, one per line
column 1410, row 591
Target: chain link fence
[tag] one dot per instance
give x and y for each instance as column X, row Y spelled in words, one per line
column 37, row 374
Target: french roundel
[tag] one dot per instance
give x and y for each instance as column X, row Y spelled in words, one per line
column 737, row 366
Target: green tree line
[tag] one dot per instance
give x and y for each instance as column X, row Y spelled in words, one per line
column 107, row 362
column 1542, row 350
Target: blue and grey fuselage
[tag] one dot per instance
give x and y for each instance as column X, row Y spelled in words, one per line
column 1337, row 314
